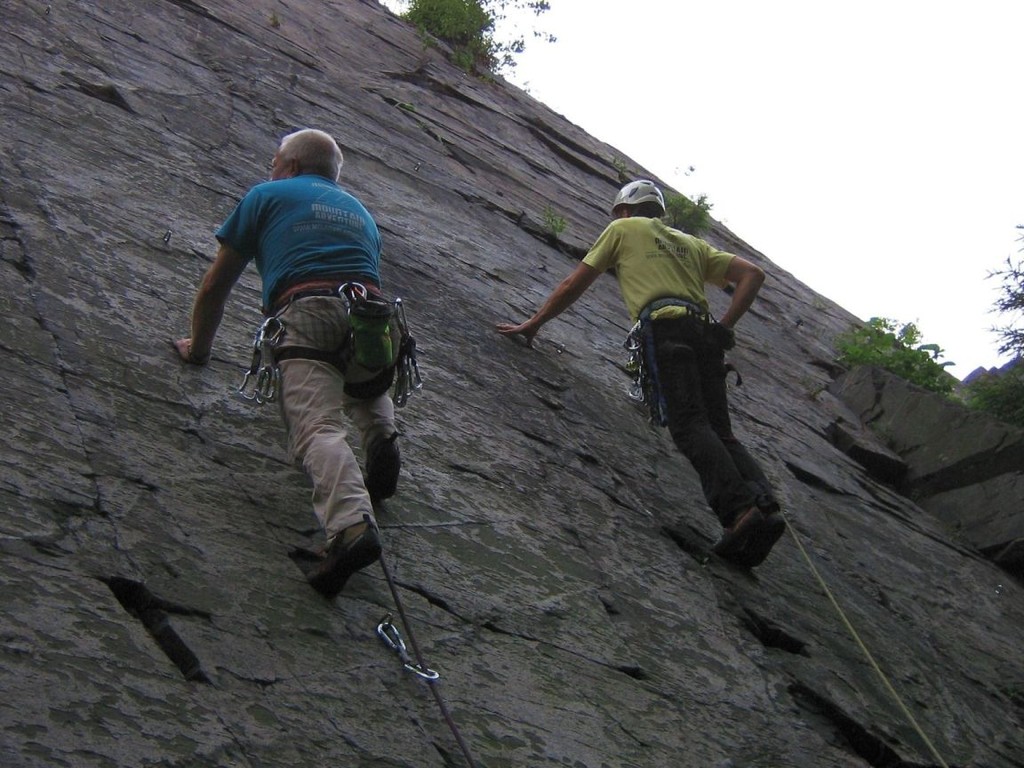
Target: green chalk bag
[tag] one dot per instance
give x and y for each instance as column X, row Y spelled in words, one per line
column 370, row 321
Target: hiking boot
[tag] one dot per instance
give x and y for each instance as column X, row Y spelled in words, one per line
column 760, row 541
column 735, row 537
column 383, row 462
column 354, row 548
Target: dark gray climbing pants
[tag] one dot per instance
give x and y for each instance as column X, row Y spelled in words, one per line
column 691, row 373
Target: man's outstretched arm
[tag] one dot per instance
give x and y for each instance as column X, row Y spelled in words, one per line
column 570, row 289
column 208, row 308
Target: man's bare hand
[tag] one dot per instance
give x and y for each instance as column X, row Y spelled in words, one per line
column 526, row 330
column 184, row 348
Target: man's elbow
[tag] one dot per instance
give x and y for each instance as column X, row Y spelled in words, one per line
column 759, row 276
column 752, row 278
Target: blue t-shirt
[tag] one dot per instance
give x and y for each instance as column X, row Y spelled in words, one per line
column 300, row 229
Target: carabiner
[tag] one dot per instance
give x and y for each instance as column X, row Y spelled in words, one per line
column 634, row 341
column 390, row 636
column 267, row 337
column 267, row 384
column 352, row 291
column 244, row 385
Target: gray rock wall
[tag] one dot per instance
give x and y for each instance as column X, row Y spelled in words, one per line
column 546, row 542
column 959, row 464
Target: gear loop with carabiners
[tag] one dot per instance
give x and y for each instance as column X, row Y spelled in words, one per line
column 407, row 371
column 263, row 379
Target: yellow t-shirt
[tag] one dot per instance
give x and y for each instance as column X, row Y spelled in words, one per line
column 653, row 261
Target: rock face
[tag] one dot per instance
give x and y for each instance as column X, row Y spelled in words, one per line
column 546, row 543
column 962, row 466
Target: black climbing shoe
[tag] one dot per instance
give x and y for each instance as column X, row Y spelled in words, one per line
column 750, row 538
column 760, row 541
column 354, row 548
column 383, row 462
column 735, row 537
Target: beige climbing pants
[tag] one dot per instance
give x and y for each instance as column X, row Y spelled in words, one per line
column 317, row 413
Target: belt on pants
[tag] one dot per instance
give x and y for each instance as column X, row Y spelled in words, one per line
column 320, row 287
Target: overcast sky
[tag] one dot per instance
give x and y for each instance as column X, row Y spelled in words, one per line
column 873, row 149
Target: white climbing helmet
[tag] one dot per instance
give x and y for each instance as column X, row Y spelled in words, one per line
column 640, row 191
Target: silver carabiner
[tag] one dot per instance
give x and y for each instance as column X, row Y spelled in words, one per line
column 633, row 342
column 245, row 383
column 390, row 636
column 268, row 337
column 407, row 381
column 352, row 291
column 267, row 381
column 400, row 308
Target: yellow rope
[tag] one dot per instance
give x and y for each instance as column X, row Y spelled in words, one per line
column 856, row 636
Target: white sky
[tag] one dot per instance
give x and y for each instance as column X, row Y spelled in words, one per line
column 873, row 149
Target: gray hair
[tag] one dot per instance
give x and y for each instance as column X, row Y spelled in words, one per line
column 315, row 151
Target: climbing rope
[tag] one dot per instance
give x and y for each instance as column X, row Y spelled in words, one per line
column 863, row 647
column 391, row 637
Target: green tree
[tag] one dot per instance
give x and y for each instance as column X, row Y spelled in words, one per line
column 896, row 348
column 468, row 26
column 1011, row 303
column 1002, row 394
column 683, row 213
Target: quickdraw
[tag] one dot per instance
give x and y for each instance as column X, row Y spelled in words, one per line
column 640, row 363
column 635, row 365
column 389, row 635
column 261, row 382
column 392, row 638
column 407, row 371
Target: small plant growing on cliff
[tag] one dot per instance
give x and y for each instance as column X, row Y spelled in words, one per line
column 554, row 223
column 897, row 349
column 622, row 170
column 468, row 26
column 687, row 215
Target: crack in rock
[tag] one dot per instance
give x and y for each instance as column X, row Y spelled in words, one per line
column 859, row 737
column 152, row 612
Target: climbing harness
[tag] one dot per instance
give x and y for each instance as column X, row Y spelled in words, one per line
column 369, row 344
column 390, row 636
column 263, row 379
column 642, row 363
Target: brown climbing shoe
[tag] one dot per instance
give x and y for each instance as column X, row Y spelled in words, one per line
column 354, row 548
column 760, row 541
column 736, row 537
